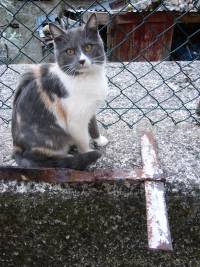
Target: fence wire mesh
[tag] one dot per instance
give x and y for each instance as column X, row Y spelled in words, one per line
column 152, row 47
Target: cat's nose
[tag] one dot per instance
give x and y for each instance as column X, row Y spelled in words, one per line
column 82, row 61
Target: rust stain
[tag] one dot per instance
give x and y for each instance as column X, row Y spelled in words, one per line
column 56, row 175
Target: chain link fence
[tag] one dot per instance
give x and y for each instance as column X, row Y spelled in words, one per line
column 152, row 47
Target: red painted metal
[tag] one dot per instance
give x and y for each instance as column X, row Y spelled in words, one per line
column 144, row 36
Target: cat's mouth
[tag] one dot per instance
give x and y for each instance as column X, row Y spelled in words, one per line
column 77, row 71
column 84, row 69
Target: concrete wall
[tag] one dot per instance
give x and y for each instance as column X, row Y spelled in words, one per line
column 97, row 225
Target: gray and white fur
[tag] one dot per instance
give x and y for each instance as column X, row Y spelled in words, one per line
column 55, row 104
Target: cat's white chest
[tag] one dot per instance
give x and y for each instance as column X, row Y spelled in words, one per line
column 85, row 94
column 89, row 90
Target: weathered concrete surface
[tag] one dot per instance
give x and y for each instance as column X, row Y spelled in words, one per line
column 94, row 225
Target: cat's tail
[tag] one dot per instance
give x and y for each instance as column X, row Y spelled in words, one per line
column 76, row 161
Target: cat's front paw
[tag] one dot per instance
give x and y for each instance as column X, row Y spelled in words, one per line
column 101, row 141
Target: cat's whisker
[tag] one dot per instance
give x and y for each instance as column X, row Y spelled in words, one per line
column 73, row 75
column 97, row 57
column 67, row 65
column 70, row 72
column 66, row 69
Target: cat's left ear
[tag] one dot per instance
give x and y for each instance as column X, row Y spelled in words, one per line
column 55, row 31
column 92, row 23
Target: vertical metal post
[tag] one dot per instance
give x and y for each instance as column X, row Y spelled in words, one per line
column 159, row 237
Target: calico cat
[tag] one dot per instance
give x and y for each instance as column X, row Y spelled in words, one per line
column 54, row 105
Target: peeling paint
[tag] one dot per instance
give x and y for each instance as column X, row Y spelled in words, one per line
column 151, row 167
column 158, row 227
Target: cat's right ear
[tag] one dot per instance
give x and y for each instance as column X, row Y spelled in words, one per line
column 56, row 32
column 92, row 23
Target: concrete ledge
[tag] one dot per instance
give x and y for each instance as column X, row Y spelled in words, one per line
column 93, row 225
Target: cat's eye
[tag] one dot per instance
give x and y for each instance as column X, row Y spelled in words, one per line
column 88, row 48
column 70, row 51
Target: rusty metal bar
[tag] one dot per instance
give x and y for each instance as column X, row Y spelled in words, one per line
column 56, row 175
column 62, row 175
column 159, row 237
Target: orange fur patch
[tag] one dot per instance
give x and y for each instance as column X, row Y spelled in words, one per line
column 45, row 99
column 43, row 95
column 61, row 113
column 55, row 106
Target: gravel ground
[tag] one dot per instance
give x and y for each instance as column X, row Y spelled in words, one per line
column 174, row 86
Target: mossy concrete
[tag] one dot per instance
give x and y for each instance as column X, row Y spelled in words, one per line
column 94, row 225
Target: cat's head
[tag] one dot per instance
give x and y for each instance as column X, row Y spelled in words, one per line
column 79, row 50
